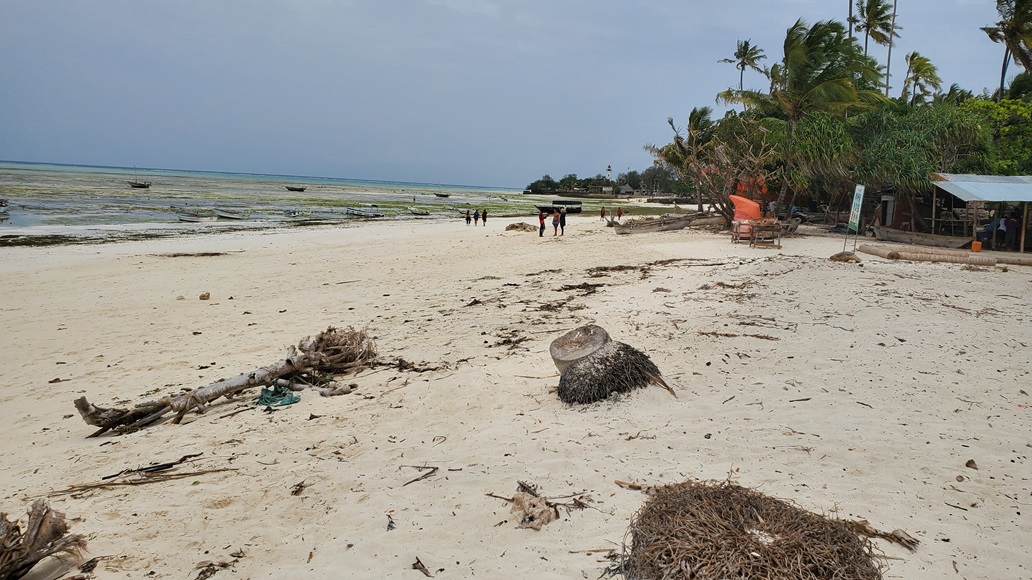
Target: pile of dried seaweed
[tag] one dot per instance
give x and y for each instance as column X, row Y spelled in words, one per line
column 721, row 530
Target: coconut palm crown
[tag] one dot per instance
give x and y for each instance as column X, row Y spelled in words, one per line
column 1014, row 30
column 746, row 56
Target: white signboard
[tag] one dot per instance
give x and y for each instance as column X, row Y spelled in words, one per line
column 854, row 214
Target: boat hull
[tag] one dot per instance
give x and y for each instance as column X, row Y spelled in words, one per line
column 886, row 234
column 362, row 212
column 196, row 218
column 665, row 224
column 227, row 214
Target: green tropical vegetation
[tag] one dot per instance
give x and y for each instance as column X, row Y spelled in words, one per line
column 826, row 119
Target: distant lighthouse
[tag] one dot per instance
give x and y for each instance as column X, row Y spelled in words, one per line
column 609, row 172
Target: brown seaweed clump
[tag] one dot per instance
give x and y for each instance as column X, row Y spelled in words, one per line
column 613, row 368
column 45, row 534
column 721, row 530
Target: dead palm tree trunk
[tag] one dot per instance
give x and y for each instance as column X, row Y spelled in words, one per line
column 1003, row 71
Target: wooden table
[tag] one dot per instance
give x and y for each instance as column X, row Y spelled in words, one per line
column 766, row 234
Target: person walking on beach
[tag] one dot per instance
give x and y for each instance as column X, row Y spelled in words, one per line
column 541, row 219
column 483, row 217
column 619, row 213
column 603, row 213
column 469, row 218
column 476, row 217
column 555, row 222
column 562, row 221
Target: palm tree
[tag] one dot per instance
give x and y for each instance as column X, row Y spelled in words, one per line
column 1014, row 30
column 888, row 59
column 922, row 79
column 822, row 72
column 955, row 95
column 691, row 149
column 746, row 56
column 876, row 22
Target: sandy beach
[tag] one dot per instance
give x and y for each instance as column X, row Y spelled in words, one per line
column 857, row 390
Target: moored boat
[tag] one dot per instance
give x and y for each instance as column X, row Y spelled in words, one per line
column 295, row 187
column 197, row 217
column 887, row 234
column 139, row 184
column 230, row 214
column 418, row 211
column 442, row 194
column 363, row 212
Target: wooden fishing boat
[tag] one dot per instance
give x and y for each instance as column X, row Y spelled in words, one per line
column 442, row 194
column 197, row 217
column 368, row 212
column 139, row 184
column 230, row 214
column 571, row 205
column 665, row 223
column 887, row 234
column 418, row 211
column 295, row 187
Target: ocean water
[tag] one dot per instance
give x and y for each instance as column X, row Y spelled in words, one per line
column 72, row 200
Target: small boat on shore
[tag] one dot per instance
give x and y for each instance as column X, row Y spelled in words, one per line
column 230, row 214
column 442, row 194
column 138, row 184
column 368, row 212
column 665, row 223
column 418, row 211
column 887, row 234
column 295, row 187
column 197, row 217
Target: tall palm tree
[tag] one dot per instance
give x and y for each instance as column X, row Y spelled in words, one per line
column 690, row 150
column 1014, row 30
column 850, row 22
column 822, row 72
column 888, row 59
column 746, row 56
column 922, row 79
column 875, row 19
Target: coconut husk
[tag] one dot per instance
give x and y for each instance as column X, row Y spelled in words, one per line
column 706, row 531
column 45, row 534
column 611, row 369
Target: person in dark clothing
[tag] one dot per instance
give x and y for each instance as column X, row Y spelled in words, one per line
column 469, row 217
column 541, row 218
column 483, row 217
column 562, row 221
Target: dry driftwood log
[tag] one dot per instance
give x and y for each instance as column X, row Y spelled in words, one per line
column 592, row 366
column 45, row 534
column 330, row 352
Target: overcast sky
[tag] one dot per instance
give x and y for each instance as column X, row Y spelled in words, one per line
column 469, row 92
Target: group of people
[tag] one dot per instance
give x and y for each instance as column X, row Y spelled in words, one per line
column 1002, row 233
column 619, row 213
column 558, row 222
column 476, row 217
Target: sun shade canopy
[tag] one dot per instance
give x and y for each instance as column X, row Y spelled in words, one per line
column 985, row 187
column 745, row 209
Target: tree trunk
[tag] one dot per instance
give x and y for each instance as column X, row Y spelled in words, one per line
column 1003, row 71
column 892, row 39
column 849, row 21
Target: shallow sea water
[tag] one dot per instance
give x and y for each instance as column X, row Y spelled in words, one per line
column 97, row 202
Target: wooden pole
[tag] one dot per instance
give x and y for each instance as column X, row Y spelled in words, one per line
column 1024, row 228
column 935, row 208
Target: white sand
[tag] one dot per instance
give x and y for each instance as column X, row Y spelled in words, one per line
column 855, row 390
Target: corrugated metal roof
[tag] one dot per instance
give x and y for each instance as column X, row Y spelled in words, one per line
column 985, row 187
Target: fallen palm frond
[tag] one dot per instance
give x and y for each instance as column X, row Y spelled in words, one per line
column 153, row 473
column 45, row 534
column 330, row 352
column 721, row 530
